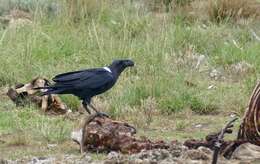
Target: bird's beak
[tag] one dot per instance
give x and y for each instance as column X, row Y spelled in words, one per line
column 130, row 63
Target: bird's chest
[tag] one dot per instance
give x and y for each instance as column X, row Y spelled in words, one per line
column 107, row 86
column 104, row 87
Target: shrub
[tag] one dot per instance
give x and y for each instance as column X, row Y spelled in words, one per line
column 170, row 106
column 199, row 106
column 175, row 104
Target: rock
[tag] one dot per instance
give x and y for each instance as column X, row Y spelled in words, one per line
column 205, row 150
column 241, row 68
column 51, row 146
column 247, row 151
column 216, row 74
column 196, row 155
column 113, row 155
column 200, row 61
column 152, row 156
column 177, row 153
column 139, row 161
column 87, row 159
column 198, row 126
column 233, row 115
column 212, row 87
column 170, row 161
column 177, row 149
column 69, row 158
column 76, row 136
column 42, row 160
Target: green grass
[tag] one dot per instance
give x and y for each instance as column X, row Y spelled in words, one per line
column 46, row 48
column 26, row 131
column 48, row 129
column 161, row 44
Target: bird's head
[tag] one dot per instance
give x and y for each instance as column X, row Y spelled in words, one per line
column 118, row 66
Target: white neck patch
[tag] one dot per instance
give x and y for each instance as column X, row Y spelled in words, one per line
column 107, row 69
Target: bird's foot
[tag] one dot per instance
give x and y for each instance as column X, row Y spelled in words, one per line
column 88, row 111
column 102, row 114
column 134, row 131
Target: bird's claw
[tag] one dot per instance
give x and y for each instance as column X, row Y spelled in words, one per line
column 88, row 110
column 102, row 114
column 134, row 131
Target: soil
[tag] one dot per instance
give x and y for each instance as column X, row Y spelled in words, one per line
column 177, row 153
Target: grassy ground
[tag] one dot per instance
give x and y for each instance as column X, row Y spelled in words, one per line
column 26, row 132
column 164, row 88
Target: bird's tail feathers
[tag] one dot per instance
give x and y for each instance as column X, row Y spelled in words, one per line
column 45, row 87
column 47, row 90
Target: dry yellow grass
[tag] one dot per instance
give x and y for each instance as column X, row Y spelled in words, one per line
column 219, row 10
column 78, row 9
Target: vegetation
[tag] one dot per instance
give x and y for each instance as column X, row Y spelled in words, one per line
column 166, row 46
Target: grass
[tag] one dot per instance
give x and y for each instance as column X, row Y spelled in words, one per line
column 45, row 49
column 41, row 127
column 165, row 47
column 25, row 133
column 221, row 10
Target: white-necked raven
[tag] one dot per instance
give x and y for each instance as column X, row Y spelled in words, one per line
column 88, row 83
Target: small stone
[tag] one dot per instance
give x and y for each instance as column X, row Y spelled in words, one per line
column 41, row 160
column 138, row 161
column 77, row 136
column 215, row 74
column 87, row 159
column 204, row 26
column 198, row 126
column 212, row 87
column 205, row 150
column 50, row 146
column 247, row 151
column 200, row 60
column 195, row 155
column 233, row 115
column 113, row 155
column 147, row 161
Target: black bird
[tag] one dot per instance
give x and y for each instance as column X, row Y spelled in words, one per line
column 88, row 83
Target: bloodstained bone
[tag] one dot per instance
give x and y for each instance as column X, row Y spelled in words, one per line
column 23, row 94
column 102, row 134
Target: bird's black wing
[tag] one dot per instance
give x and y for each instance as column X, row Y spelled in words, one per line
column 72, row 82
column 97, row 79
column 91, row 78
column 70, row 76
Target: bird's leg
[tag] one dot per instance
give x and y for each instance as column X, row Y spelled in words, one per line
column 85, row 105
column 98, row 112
